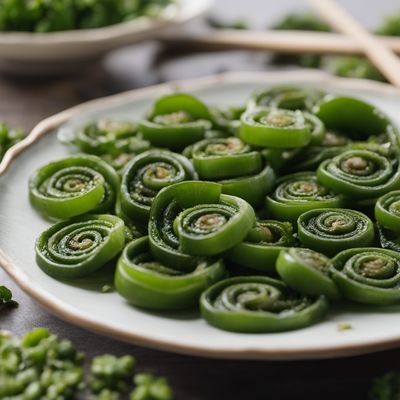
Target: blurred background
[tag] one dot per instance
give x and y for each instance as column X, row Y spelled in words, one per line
column 150, row 63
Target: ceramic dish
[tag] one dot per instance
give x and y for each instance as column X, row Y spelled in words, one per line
column 41, row 53
column 83, row 304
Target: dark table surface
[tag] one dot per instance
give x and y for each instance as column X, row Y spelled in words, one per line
column 25, row 101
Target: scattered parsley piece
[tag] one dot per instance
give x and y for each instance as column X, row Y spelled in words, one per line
column 149, row 387
column 386, row 387
column 6, row 300
column 111, row 372
column 344, row 327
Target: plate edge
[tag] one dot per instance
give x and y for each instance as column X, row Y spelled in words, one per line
column 57, row 308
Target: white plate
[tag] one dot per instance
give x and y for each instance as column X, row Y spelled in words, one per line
column 373, row 329
column 41, row 53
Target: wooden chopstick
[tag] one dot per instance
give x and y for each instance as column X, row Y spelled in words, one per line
column 380, row 55
column 294, row 42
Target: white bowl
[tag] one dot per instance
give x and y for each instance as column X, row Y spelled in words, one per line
column 40, row 53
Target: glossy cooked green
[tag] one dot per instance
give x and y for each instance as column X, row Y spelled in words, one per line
column 74, row 186
column 262, row 245
column 149, row 283
column 229, row 206
column 63, row 15
column 80, row 246
column 369, row 275
column 307, row 271
column 258, row 304
column 145, row 176
column 298, row 193
column 331, row 230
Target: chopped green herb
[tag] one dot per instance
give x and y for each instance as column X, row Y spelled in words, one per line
column 239, row 24
column 149, row 387
column 386, row 387
column 344, row 327
column 107, row 289
column 6, row 300
column 111, row 372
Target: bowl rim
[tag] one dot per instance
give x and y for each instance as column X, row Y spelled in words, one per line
column 64, row 311
column 179, row 13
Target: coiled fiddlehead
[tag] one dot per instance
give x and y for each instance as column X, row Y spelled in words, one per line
column 353, row 117
column 275, row 128
column 298, row 193
column 252, row 188
column 307, row 271
column 195, row 218
column 148, row 283
column 73, row 186
column 262, row 245
column 309, row 158
column 76, row 248
column 360, row 174
column 387, row 210
column 225, row 158
column 331, row 230
column 258, row 304
column 229, row 118
column 146, row 175
column 286, row 97
column 176, row 121
column 368, row 275
column 109, row 136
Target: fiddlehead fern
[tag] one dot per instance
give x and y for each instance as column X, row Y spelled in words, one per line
column 146, row 175
column 307, row 271
column 262, row 245
column 368, row 275
column 258, row 304
column 76, row 248
column 148, row 283
column 298, row 193
column 73, row 186
column 331, row 230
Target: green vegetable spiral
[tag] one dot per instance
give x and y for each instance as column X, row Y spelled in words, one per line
column 229, row 119
column 146, row 175
column 76, row 248
column 330, row 230
column 73, row 186
column 307, row 271
column 262, row 245
column 310, row 157
column 368, row 275
column 353, row 117
column 286, row 97
column 177, row 121
column 257, row 304
column 360, row 174
column 387, row 210
column 275, row 128
column 298, row 193
column 252, row 188
column 148, row 283
column 110, row 136
column 225, row 158
column 195, row 218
